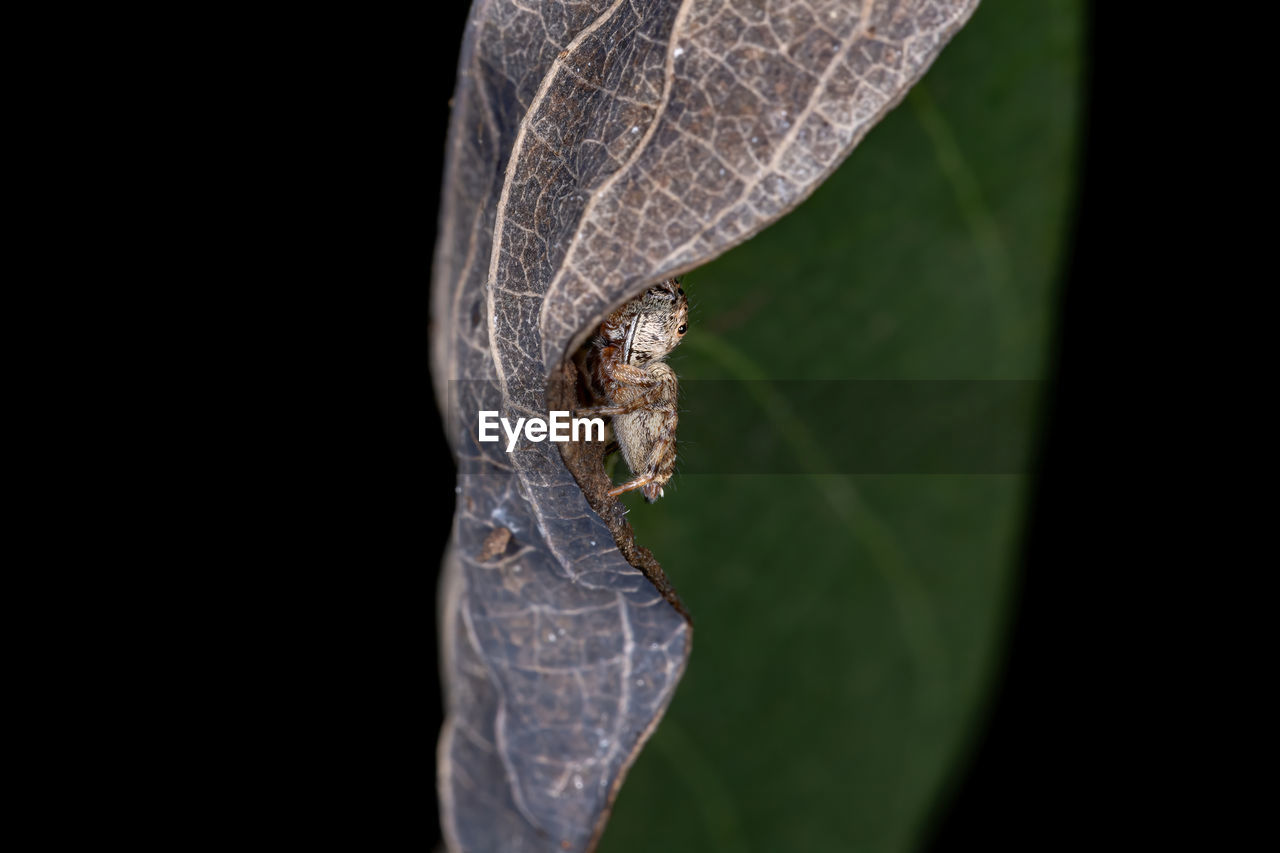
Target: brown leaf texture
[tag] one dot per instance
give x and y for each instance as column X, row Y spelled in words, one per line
column 596, row 148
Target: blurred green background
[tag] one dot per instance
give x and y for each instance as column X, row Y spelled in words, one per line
column 848, row 628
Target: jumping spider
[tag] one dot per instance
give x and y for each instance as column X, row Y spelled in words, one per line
column 638, row 388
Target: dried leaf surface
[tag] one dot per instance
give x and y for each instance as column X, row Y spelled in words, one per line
column 596, row 148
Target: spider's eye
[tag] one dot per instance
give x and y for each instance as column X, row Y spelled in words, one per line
column 683, row 328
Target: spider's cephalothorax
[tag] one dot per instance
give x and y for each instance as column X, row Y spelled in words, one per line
column 637, row 387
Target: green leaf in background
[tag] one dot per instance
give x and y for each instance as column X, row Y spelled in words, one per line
column 848, row 627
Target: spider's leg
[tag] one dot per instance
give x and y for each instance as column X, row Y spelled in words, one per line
column 629, row 374
column 631, row 485
column 627, row 398
column 602, row 410
column 648, row 485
